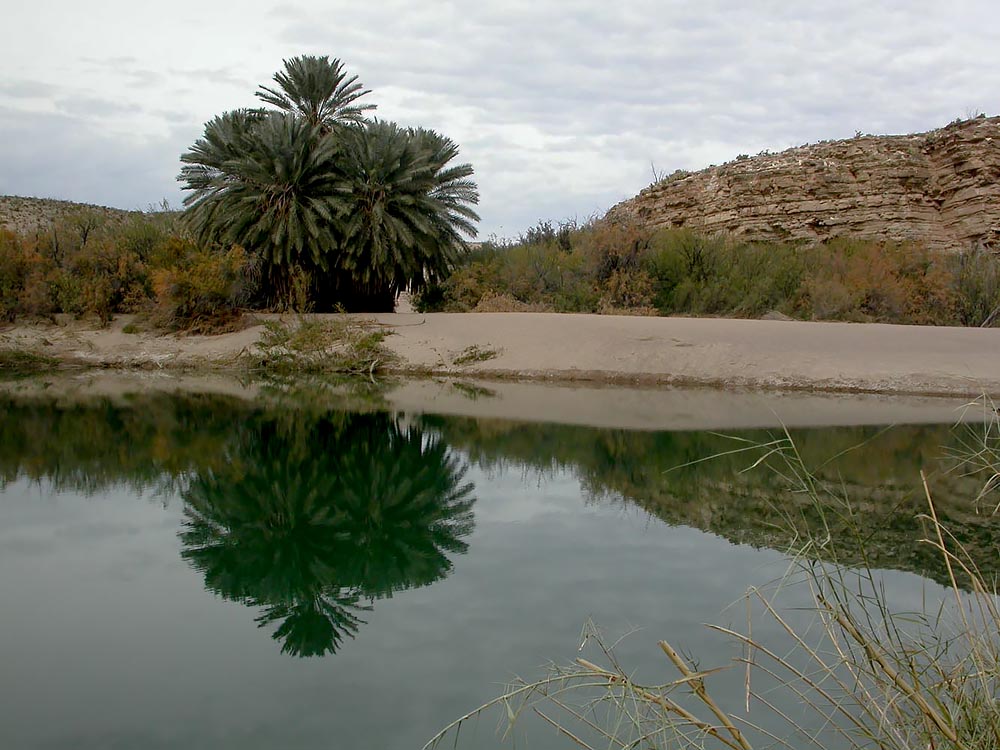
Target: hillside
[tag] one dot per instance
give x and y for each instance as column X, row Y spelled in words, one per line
column 941, row 188
column 29, row 215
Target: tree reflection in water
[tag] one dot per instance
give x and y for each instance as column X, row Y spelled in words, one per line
column 314, row 518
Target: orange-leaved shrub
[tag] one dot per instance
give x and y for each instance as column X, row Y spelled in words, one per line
column 86, row 264
column 202, row 290
column 882, row 282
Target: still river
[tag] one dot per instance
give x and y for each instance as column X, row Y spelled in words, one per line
column 184, row 570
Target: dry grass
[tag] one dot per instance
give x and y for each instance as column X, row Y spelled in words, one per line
column 473, row 354
column 491, row 302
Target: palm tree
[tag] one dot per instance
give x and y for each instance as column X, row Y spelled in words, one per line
column 403, row 211
column 360, row 210
column 318, row 90
column 266, row 182
column 225, row 139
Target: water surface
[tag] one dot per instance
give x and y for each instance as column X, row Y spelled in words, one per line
column 193, row 571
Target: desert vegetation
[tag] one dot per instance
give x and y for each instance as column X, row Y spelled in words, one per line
column 88, row 265
column 28, row 216
column 304, row 205
column 603, row 266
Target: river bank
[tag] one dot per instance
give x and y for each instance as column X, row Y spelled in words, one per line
column 746, row 354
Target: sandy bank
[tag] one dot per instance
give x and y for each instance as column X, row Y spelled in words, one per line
column 709, row 351
column 754, row 354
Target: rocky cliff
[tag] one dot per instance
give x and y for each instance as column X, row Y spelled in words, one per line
column 941, row 188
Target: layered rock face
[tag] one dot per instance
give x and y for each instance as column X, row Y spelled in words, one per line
column 941, row 189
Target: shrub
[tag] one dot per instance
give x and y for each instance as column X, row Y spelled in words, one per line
column 866, row 281
column 39, row 293
column 615, row 267
column 625, row 289
column 699, row 274
column 203, row 290
column 14, row 268
column 313, row 346
column 145, row 235
column 493, row 302
column 975, row 276
column 111, row 278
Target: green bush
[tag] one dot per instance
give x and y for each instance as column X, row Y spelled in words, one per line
column 715, row 275
column 321, row 346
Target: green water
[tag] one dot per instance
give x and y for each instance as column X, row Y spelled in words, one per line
column 181, row 571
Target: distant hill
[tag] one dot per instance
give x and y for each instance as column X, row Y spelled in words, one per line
column 29, row 215
column 940, row 188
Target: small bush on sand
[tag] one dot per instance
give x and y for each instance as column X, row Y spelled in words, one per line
column 321, row 346
column 493, row 302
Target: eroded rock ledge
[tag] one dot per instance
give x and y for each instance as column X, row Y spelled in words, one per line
column 940, row 188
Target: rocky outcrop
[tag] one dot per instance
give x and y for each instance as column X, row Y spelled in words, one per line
column 940, row 188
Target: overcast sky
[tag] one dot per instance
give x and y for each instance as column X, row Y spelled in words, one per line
column 563, row 108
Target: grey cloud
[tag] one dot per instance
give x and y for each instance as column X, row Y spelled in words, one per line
column 92, row 106
column 175, row 116
column 304, row 33
column 61, row 156
column 224, row 76
column 144, row 78
column 113, row 62
column 128, row 67
column 285, row 10
column 26, row 89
